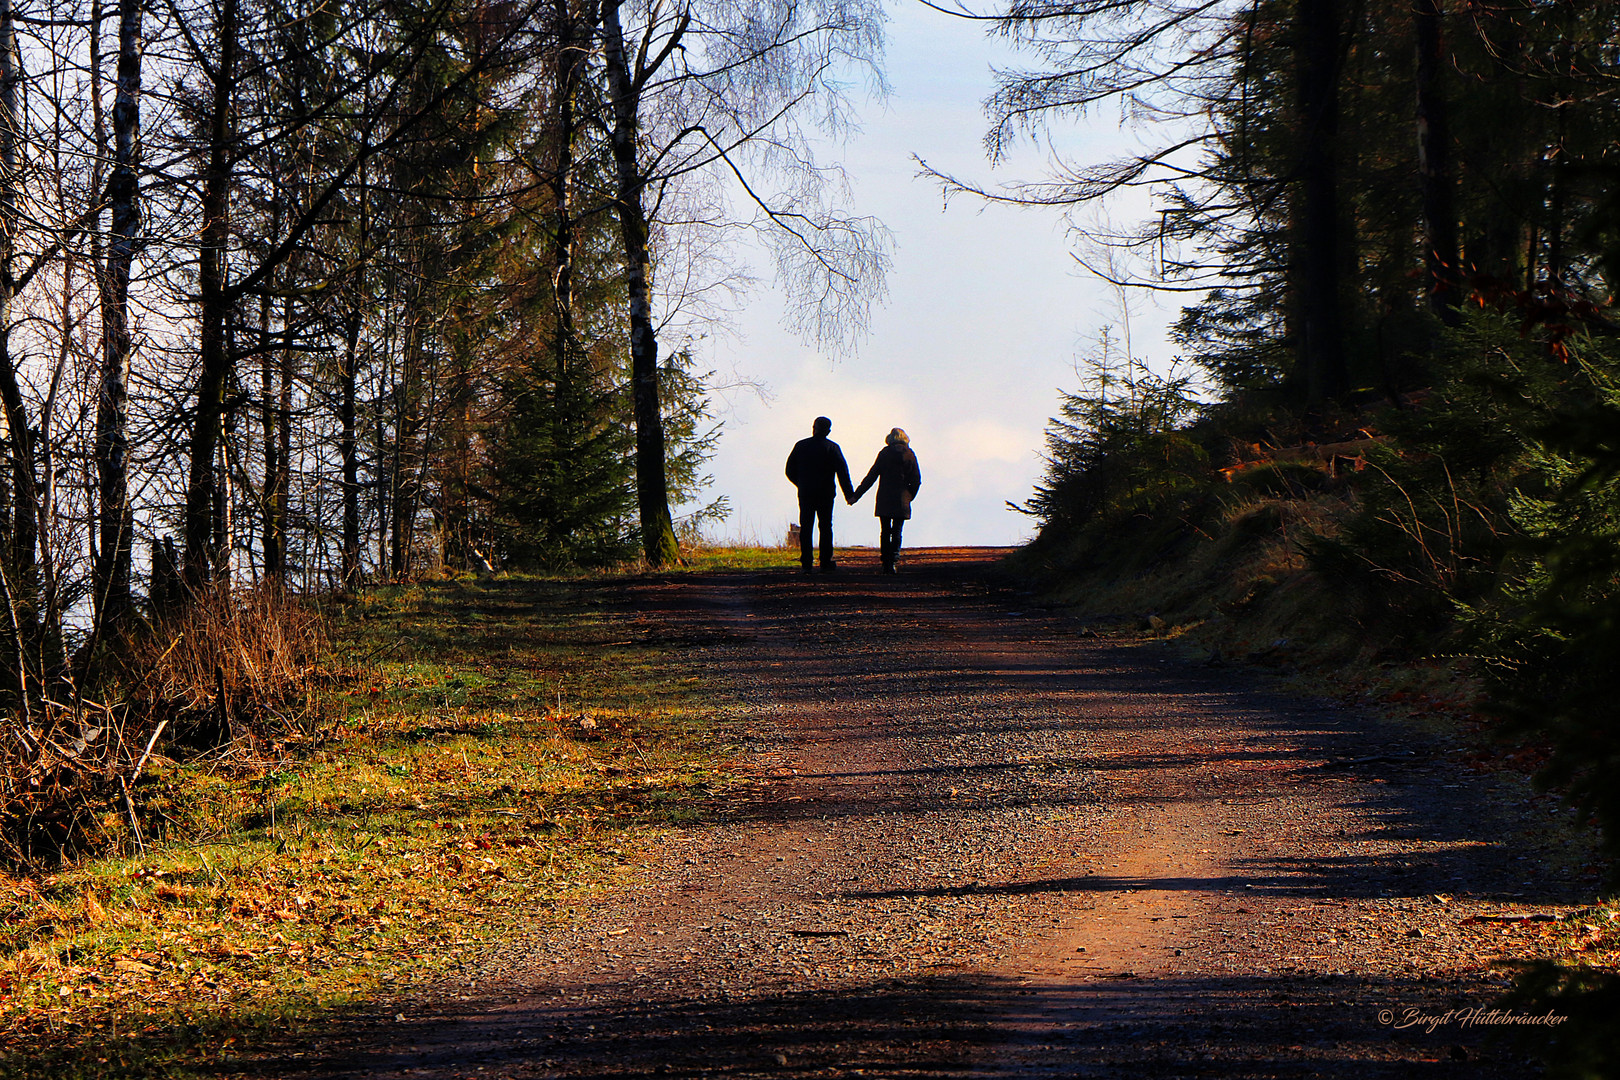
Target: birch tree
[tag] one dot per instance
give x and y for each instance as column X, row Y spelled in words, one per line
column 112, row 572
column 734, row 90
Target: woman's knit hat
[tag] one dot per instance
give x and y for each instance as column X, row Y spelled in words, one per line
column 897, row 437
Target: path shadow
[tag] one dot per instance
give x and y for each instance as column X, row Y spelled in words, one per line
column 950, row 1026
column 1034, row 681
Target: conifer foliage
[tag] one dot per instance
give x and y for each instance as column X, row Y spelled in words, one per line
column 563, row 476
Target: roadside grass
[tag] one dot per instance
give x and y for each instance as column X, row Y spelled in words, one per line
column 491, row 754
column 706, row 557
column 1590, row 939
column 1578, row 983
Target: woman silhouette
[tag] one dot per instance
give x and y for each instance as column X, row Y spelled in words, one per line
column 896, row 474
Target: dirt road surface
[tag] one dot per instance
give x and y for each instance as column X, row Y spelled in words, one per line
column 986, row 844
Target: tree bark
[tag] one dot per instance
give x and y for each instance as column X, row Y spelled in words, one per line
column 274, row 561
column 349, row 442
column 385, row 477
column 1440, row 254
column 112, row 586
column 652, row 485
column 565, row 79
column 21, row 553
column 280, row 483
column 348, row 405
column 224, row 538
column 201, row 559
column 573, row 35
column 405, row 488
column 1555, row 159
column 572, row 29
column 1322, row 364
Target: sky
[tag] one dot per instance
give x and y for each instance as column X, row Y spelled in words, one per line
column 986, row 316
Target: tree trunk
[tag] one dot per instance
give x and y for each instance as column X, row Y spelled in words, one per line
column 214, row 314
column 22, row 524
column 564, row 83
column 1555, row 159
column 278, row 447
column 348, row 442
column 385, row 479
column 274, row 563
column 348, row 405
column 572, row 32
column 396, row 495
column 224, row 540
column 1322, row 366
column 405, row 486
column 652, row 486
column 1434, row 166
column 112, row 587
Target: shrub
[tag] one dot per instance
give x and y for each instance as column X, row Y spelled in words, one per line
column 235, row 664
column 235, row 667
column 1432, row 533
column 1548, row 641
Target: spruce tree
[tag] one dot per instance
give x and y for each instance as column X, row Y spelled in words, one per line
column 564, row 490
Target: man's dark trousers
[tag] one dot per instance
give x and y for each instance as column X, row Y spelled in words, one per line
column 816, row 513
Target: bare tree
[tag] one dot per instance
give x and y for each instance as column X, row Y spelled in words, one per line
column 734, row 89
column 18, row 565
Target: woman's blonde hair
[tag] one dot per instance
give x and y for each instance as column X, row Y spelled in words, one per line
column 897, row 437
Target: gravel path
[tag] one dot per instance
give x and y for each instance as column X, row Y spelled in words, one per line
column 986, row 844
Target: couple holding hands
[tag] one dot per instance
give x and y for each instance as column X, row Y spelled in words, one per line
column 817, row 462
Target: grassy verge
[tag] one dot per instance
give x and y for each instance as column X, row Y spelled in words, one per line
column 1224, row 575
column 493, row 753
column 729, row 557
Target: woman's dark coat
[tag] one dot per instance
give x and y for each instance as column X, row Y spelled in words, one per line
column 897, row 477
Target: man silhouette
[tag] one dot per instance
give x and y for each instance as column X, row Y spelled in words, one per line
column 815, row 464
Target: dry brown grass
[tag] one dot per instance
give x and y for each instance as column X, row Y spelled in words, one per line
column 237, row 668
column 231, row 665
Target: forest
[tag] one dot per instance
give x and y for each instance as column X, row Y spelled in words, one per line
column 1400, row 226
column 300, row 296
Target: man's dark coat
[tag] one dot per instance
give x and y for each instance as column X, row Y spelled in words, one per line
column 816, row 466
